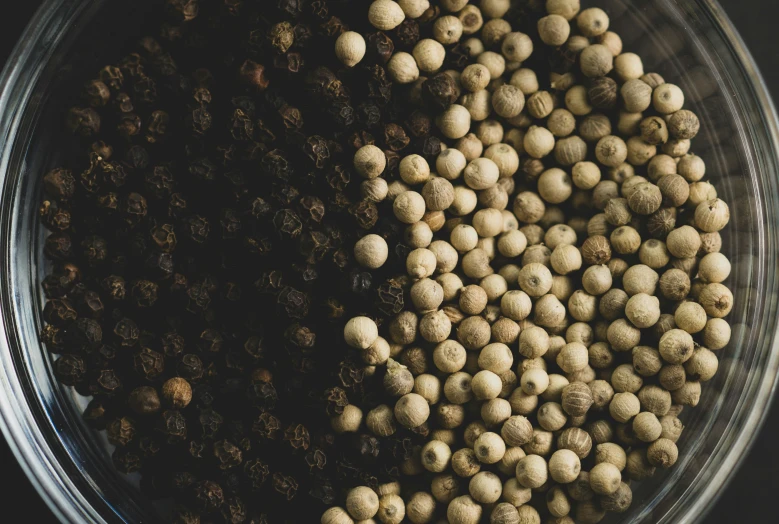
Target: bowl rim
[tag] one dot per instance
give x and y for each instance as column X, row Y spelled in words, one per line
column 37, row 459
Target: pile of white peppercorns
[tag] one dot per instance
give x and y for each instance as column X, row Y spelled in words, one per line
column 566, row 282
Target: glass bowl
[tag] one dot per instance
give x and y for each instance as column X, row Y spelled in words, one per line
column 690, row 42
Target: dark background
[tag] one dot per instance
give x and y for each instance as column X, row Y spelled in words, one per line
column 750, row 497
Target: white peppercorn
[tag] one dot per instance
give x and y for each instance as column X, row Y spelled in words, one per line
column 554, row 30
column 402, row 67
column 444, row 488
column 336, row 515
column 667, row 99
column 596, row 61
column 429, row 55
column 662, row 453
column 412, row 410
column 564, row 466
column 371, row 251
column 539, row 142
column 436, row 456
column 577, row 101
column 392, row 510
column 712, row 216
column 362, row 503
column 495, row 411
column 420, row 508
column 683, row 242
column 454, row 122
column 489, row 447
column 463, row 510
column 692, row 168
column 349, row 421
column 532, row 471
column 716, row 334
column 447, row 29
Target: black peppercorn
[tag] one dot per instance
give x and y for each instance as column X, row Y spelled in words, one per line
column 379, row 47
column 83, row 121
column 439, row 91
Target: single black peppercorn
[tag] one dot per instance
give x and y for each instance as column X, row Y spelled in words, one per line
column 439, row 91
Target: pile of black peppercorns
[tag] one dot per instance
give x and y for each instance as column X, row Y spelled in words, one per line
column 201, row 265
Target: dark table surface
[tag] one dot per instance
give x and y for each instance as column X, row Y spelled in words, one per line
column 750, row 495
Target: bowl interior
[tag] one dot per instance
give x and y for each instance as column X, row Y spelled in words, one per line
column 681, row 40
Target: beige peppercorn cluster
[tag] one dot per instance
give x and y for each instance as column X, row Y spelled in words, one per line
column 567, row 293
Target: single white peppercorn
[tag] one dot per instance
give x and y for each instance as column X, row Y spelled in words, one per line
column 385, row 15
column 716, row 299
column 371, row 251
column 489, row 447
column 566, row 259
column 596, row 61
column 573, row 357
column 693, row 169
column 662, row 453
column 361, row 332
column 412, row 410
column 448, row 29
column 605, row 478
column 554, row 186
column 429, row 55
column 444, row 488
column 378, row 353
column 409, row 207
column 375, row 190
column 534, row 381
column 643, row 310
column 611, row 151
column 485, row 487
column 532, row 471
column 418, row 235
column 504, row 513
column 350, row 48
column 414, row 169
column 465, row 201
column 455, row 122
column 508, row 101
column 667, row 99
column 450, row 163
column 716, row 334
column 370, row 161
column 414, row 8
column 349, row 421
column 554, row 30
column 392, row 509
column 486, row 385
column 362, row 503
column 402, row 67
column 564, row 466
column 380, row 421
column 336, row 515
column 593, row 22
column 538, row 142
column 420, row 508
column 464, row 463
column 421, row 263
column 535, row 279
column 577, row 101
column 463, row 510
column 712, row 216
column 436, row 456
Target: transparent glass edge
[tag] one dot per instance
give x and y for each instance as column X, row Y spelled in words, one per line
column 26, row 442
column 699, row 505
